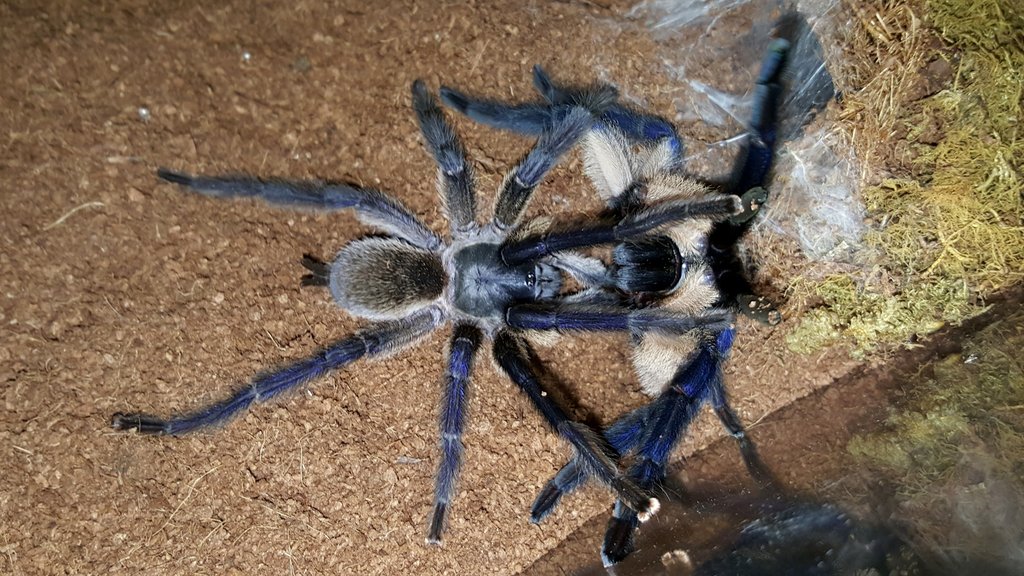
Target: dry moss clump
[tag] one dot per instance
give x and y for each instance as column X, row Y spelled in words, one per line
column 864, row 317
column 950, row 232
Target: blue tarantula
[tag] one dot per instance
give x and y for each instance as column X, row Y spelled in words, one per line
column 635, row 164
column 499, row 282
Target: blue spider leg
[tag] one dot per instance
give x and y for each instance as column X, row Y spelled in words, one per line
column 510, row 352
column 750, row 180
column 671, row 415
column 644, row 128
column 464, row 344
column 372, row 341
column 635, row 125
column 570, row 125
column 564, row 316
column 755, row 165
column 372, row 206
column 525, row 119
column 630, row 227
column 455, row 173
column 622, row 435
column 532, row 118
column 548, row 90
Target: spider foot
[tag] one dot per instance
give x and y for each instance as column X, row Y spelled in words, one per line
column 174, row 177
column 636, row 498
column 546, row 502
column 437, row 524
column 619, row 539
column 141, row 422
column 752, row 201
column 759, row 308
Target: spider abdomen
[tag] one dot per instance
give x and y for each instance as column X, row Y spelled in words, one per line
column 385, row 278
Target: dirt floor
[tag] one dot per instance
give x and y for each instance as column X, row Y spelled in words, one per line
column 121, row 293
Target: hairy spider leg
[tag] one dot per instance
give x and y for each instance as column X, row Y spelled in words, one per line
column 631, row 227
column 671, row 415
column 652, row 431
column 455, row 176
column 622, row 435
column 635, row 125
column 567, row 316
column 748, row 450
column 511, row 354
column 371, row 206
column 763, row 122
column 531, row 118
column 749, row 181
column 569, row 124
column 372, row 341
column 464, row 345
column 627, row 432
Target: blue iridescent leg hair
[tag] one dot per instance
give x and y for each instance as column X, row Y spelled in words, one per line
column 511, row 354
column 749, row 181
column 449, row 153
column 622, row 436
column 670, row 417
column 757, row 162
column 372, row 206
column 372, row 341
column 569, row 124
column 464, row 344
column 531, row 118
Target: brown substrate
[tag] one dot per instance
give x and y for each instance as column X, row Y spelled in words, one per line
column 119, row 292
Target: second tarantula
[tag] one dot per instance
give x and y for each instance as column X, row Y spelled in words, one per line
column 635, row 164
column 495, row 282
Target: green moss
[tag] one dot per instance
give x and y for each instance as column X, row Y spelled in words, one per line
column 954, row 235
column 866, row 318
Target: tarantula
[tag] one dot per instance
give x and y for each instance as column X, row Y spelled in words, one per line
column 635, row 164
column 496, row 281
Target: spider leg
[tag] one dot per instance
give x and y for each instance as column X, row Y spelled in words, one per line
column 749, row 181
column 373, row 341
column 631, row 227
column 565, row 316
column 464, row 344
column 748, row 450
column 671, row 414
column 526, row 119
column 568, row 126
column 637, row 126
column 455, row 176
column 622, row 435
column 758, row 160
column 532, row 118
column 509, row 352
column 373, row 207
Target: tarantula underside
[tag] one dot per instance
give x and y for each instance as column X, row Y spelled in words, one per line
column 492, row 282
